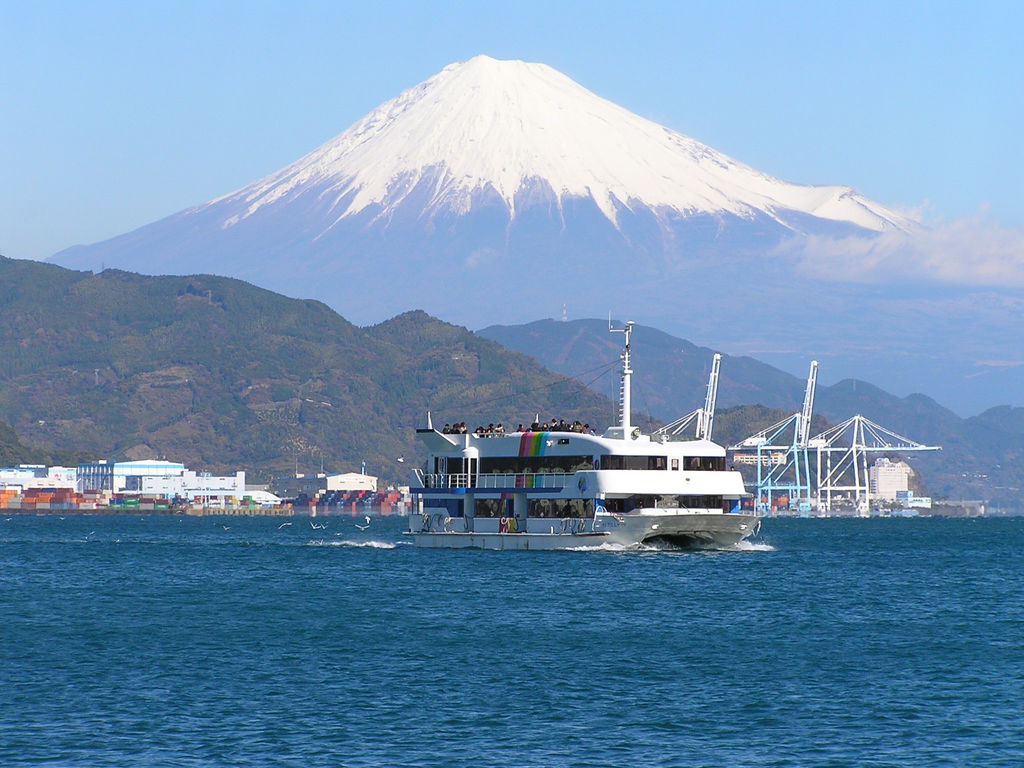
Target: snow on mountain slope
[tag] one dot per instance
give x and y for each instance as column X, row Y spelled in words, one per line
column 488, row 126
column 497, row 191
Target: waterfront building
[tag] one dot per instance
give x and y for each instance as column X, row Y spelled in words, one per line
column 351, row 481
column 197, row 487
column 124, row 476
column 37, row 476
column 908, row 500
column 887, row 478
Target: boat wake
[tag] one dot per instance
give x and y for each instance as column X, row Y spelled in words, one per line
column 751, row 546
column 604, row 547
column 660, row 545
column 359, row 544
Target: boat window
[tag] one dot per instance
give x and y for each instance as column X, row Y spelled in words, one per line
column 641, row 501
column 634, row 462
column 449, row 465
column 493, row 508
column 675, row 464
column 561, row 507
column 529, row 465
column 704, row 463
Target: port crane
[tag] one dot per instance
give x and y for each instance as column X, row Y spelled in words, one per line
column 783, row 464
column 705, row 417
column 845, row 449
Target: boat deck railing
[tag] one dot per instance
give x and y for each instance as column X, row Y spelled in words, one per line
column 535, row 480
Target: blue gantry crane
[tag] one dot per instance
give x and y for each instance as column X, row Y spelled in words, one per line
column 780, row 454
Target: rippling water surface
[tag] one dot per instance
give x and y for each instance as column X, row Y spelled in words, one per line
column 161, row 641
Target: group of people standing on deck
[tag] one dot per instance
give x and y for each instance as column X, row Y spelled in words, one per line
column 559, row 425
column 555, row 425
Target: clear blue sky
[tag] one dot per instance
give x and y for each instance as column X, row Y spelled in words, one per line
column 116, row 114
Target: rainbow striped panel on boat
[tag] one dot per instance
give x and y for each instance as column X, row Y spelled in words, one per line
column 532, row 443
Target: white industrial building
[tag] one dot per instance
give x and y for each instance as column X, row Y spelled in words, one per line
column 351, row 481
column 159, row 478
column 123, row 476
column 196, row 487
column 908, row 500
column 887, row 478
column 28, row 476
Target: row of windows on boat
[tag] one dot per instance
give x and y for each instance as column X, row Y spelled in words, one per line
column 585, row 507
column 532, row 465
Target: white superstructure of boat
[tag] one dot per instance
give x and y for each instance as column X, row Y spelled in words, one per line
column 552, row 489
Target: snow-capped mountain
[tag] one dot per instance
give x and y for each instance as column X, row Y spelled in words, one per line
column 489, row 166
column 525, row 134
column 497, row 191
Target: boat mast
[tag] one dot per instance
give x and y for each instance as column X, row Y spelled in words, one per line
column 624, row 389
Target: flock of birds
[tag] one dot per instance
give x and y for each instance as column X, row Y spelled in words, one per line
column 323, row 526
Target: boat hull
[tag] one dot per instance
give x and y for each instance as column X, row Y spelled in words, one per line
column 708, row 530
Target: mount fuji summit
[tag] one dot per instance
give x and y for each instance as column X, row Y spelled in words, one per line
column 499, row 192
column 493, row 191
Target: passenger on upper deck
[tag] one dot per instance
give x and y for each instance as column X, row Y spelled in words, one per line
column 555, row 425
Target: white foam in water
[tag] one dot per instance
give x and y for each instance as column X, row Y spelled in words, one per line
column 361, row 544
column 752, row 546
column 743, row 546
column 605, row 547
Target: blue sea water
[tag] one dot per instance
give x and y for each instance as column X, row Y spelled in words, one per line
column 164, row 641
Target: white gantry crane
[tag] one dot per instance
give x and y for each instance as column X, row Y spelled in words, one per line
column 783, row 464
column 808, row 409
column 706, row 420
column 705, row 417
column 844, row 450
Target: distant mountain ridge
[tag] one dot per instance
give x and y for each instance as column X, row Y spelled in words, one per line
column 222, row 375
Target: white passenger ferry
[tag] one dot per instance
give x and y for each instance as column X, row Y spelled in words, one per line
column 553, row 489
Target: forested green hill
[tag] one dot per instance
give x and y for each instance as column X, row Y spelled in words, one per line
column 223, row 375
